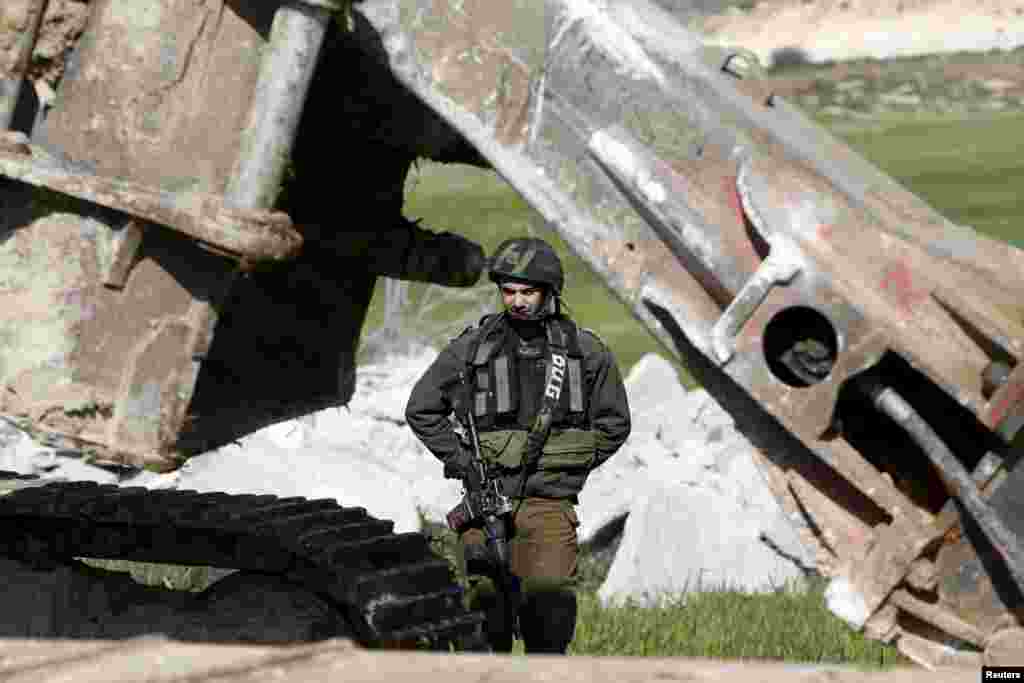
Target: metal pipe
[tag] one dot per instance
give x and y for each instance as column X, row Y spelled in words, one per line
column 12, row 70
column 958, row 481
column 939, row 616
column 285, row 74
column 651, row 185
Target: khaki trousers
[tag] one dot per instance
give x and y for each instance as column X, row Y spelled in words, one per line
column 543, row 553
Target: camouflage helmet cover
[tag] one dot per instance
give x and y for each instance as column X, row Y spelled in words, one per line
column 530, row 259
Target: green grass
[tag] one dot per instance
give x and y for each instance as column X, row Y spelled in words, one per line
column 783, row 625
column 171, row 577
column 969, row 169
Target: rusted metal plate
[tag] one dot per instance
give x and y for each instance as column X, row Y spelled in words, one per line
column 161, row 92
column 110, row 368
column 1005, row 411
column 251, row 236
column 113, row 263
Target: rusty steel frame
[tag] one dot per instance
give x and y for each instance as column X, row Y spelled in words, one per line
column 130, row 405
column 285, row 73
column 26, row 16
column 249, row 236
column 958, row 481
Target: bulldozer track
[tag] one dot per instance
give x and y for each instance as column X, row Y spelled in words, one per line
column 392, row 587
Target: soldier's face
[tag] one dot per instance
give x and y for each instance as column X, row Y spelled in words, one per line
column 522, row 301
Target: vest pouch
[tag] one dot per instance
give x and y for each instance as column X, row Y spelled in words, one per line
column 569, row 449
column 504, row 447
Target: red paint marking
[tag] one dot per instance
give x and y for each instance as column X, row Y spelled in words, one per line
column 825, row 231
column 1012, row 395
column 732, row 193
column 898, row 282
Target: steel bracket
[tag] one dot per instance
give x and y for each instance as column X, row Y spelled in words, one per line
column 247, row 235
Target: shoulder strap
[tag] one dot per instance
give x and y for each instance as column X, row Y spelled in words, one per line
column 569, row 332
column 483, row 345
column 554, row 379
column 595, row 335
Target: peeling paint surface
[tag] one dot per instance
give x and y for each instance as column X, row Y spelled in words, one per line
column 41, row 275
column 619, row 157
column 252, row 235
column 154, row 65
column 608, row 36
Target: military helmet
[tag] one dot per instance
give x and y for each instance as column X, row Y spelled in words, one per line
column 530, row 259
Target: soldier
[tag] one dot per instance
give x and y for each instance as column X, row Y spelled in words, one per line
column 529, row 374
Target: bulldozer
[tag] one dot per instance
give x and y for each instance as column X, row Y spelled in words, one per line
column 198, row 196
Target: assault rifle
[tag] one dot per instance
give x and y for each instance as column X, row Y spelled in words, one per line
column 485, row 502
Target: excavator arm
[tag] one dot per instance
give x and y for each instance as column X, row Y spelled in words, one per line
column 868, row 347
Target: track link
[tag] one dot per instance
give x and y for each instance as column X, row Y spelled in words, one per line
column 392, row 587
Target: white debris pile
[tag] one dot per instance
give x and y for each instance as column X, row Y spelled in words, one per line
column 700, row 513
column 21, row 454
column 697, row 508
column 362, row 455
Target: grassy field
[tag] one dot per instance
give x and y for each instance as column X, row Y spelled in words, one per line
column 784, row 625
column 970, row 169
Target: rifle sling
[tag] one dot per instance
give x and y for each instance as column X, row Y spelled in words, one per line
column 554, row 378
column 559, row 369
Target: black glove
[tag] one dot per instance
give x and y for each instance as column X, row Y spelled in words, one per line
column 460, row 465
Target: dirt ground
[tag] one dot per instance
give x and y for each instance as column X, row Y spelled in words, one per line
column 849, row 29
column 157, row 660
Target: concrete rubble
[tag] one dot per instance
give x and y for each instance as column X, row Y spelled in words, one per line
column 699, row 514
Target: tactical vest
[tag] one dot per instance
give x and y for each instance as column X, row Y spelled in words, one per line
column 497, row 371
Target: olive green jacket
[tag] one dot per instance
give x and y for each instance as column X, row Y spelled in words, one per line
column 569, row 454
